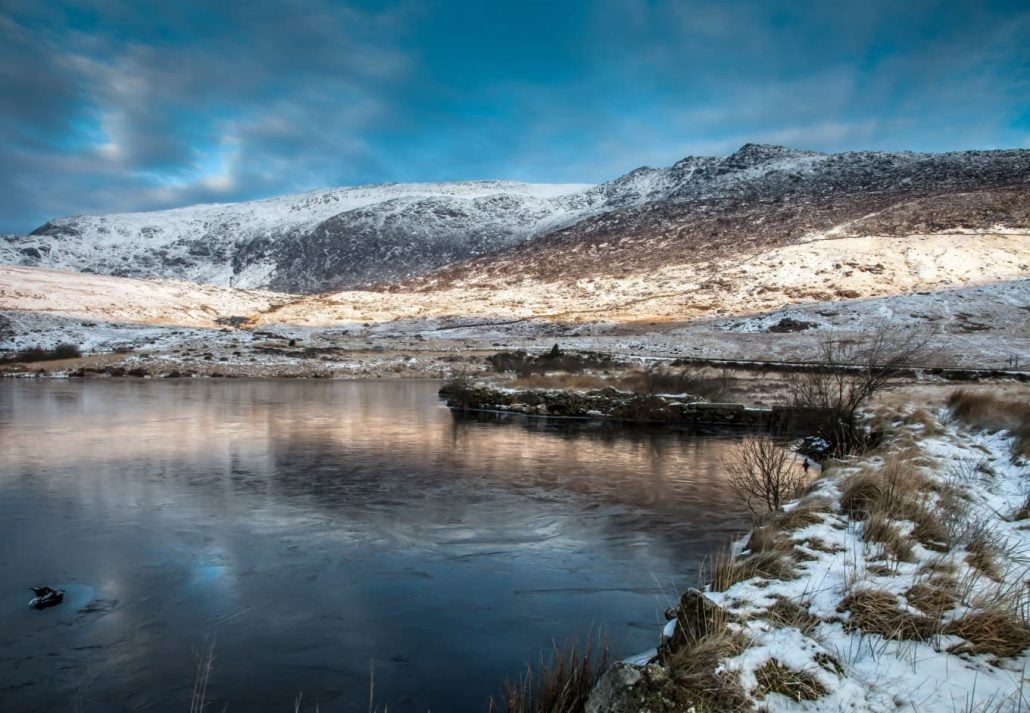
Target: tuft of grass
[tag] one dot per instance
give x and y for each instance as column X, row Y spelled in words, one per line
column 990, row 632
column 877, row 612
column 933, row 597
column 767, row 539
column 994, row 413
column 881, row 528
column 807, row 512
column 786, row 613
column 983, row 543
column 774, row 677
column 772, row 564
column 561, row 684
column 1023, row 511
column 694, row 657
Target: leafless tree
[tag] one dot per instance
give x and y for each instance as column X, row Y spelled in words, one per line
column 850, row 370
column 763, row 474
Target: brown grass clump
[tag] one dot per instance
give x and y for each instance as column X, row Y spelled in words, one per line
column 991, row 632
column 786, row 613
column 807, row 512
column 702, row 641
column 994, row 413
column 767, row 539
column 772, row 564
column 702, row 382
column 862, row 492
column 984, row 550
column 934, row 596
column 1023, row 512
column 881, row 528
column 560, row 685
column 774, row 677
column 693, row 670
column 877, row 612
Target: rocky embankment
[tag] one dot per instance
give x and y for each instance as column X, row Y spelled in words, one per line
column 610, row 404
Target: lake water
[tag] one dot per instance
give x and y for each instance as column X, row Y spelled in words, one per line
column 316, row 530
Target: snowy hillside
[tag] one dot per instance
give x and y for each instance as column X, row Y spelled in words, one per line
column 348, row 237
column 258, row 243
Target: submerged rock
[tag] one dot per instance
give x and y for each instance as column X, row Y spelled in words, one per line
column 46, row 596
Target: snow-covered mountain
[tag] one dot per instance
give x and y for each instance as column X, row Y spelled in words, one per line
column 306, row 242
column 345, row 237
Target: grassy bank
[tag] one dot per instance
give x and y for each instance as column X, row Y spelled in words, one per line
column 898, row 581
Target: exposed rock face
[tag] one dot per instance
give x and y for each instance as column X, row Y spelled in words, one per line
column 626, row 688
column 488, row 231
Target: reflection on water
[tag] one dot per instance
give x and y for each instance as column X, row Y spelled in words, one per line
column 310, row 528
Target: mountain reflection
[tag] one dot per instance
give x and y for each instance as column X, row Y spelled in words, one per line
column 306, row 522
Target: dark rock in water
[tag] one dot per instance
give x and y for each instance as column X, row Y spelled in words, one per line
column 815, row 447
column 46, row 597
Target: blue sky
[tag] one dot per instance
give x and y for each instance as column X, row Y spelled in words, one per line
column 117, row 105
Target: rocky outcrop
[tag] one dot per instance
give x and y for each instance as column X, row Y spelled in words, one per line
column 627, row 407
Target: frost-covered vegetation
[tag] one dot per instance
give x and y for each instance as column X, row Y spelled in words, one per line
column 898, row 581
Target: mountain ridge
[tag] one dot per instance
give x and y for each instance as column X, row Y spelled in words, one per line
column 341, row 238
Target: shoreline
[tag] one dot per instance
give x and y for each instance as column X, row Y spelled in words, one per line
column 896, row 577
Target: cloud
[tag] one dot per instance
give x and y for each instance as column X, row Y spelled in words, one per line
column 142, row 107
column 117, row 105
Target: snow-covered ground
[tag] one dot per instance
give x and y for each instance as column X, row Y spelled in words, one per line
column 826, row 636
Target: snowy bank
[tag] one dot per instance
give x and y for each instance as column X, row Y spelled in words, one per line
column 899, row 582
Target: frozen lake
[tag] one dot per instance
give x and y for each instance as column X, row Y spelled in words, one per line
column 314, row 529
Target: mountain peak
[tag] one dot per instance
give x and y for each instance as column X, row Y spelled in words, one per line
column 754, row 154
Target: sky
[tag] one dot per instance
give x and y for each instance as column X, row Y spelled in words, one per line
column 125, row 105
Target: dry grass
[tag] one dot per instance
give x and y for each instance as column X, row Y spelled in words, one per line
column 807, row 512
column 704, row 383
column 990, row 632
column 704, row 640
column 900, row 491
column 774, row 677
column 994, row 413
column 767, row 539
column 879, row 527
column 933, row 597
column 786, row 613
column 984, row 545
column 877, row 612
column 559, row 685
column 1023, row 511
column 1000, row 631
column 771, row 564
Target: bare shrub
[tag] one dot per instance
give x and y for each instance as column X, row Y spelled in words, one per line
column 658, row 379
column 764, row 476
column 849, row 371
